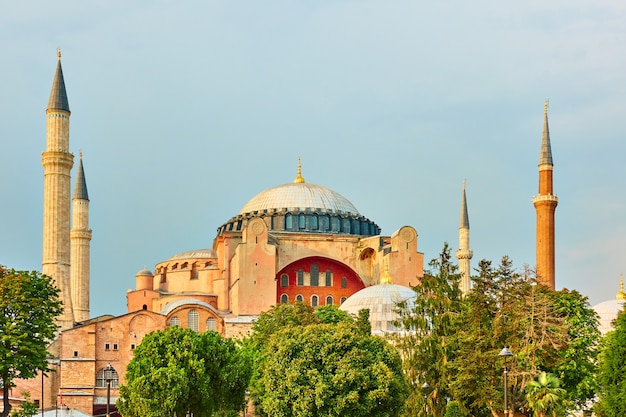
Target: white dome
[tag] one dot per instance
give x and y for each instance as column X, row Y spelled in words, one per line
column 299, row 196
column 608, row 311
column 381, row 301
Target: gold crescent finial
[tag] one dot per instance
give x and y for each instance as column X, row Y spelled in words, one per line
column 80, row 153
column 299, row 179
column 59, row 53
column 621, row 295
column 464, row 184
column 545, row 106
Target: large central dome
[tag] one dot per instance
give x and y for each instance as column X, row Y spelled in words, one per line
column 302, row 208
column 299, row 195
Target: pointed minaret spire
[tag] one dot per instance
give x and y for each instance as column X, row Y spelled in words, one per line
column 545, row 158
column 545, row 205
column 58, row 96
column 299, row 179
column 80, row 189
column 464, row 254
column 80, row 236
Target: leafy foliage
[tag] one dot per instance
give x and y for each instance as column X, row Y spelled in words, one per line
column 428, row 346
column 178, row 371
column 329, row 370
column 612, row 375
column 29, row 304
column 26, row 408
column 454, row 342
column 544, row 395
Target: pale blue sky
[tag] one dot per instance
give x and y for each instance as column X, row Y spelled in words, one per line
column 186, row 110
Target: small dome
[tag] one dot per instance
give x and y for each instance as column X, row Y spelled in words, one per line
column 299, row 195
column 192, row 254
column 145, row 273
column 381, row 301
column 608, row 311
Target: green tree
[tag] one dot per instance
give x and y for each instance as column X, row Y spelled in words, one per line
column 329, row 370
column 612, row 371
column 177, row 371
column 544, row 397
column 453, row 409
column 26, row 408
column 29, row 304
column 428, row 346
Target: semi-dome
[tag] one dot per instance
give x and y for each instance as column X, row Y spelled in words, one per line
column 193, row 254
column 299, row 196
column 382, row 302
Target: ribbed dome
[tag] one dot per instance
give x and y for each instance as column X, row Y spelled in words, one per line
column 608, row 311
column 299, row 196
column 145, row 273
column 381, row 300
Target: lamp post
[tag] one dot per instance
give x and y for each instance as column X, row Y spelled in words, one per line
column 506, row 354
column 425, row 389
column 108, row 374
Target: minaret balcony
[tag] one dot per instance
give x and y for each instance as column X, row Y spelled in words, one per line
column 545, row 197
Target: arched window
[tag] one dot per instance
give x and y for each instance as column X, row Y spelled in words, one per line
column 324, row 223
column 315, row 275
column 175, row 321
column 314, row 222
column 192, row 320
column 288, row 222
column 301, row 221
column 344, row 282
column 284, row 280
column 329, row 300
column 211, row 324
column 300, row 277
column 106, row 374
column 284, row 299
column 329, row 278
column 345, row 226
column 342, row 300
column 299, row 298
column 314, row 300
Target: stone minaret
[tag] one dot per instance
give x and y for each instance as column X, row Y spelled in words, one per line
column 545, row 206
column 80, row 236
column 464, row 254
column 57, row 163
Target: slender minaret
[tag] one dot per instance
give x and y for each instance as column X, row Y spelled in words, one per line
column 464, row 254
column 545, row 206
column 80, row 236
column 57, row 163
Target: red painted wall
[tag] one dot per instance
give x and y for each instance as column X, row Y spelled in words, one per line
column 338, row 271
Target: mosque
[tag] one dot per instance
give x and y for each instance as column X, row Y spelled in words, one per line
column 294, row 242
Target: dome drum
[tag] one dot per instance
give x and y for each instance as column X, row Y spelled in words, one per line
column 306, row 221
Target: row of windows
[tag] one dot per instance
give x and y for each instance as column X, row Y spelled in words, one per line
column 193, row 322
column 313, row 222
column 284, row 299
column 314, row 278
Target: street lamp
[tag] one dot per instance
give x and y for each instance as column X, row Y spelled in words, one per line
column 108, row 374
column 506, row 353
column 425, row 390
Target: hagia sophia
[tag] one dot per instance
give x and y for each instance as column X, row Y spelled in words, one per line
column 293, row 242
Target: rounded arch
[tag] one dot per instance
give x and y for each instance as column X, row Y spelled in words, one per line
column 366, row 265
column 303, row 279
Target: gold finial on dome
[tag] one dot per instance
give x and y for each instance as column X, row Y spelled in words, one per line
column 59, row 53
column 621, row 295
column 386, row 279
column 299, row 179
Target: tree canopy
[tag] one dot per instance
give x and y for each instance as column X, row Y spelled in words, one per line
column 454, row 341
column 323, row 362
column 29, row 305
column 178, row 371
column 612, row 373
